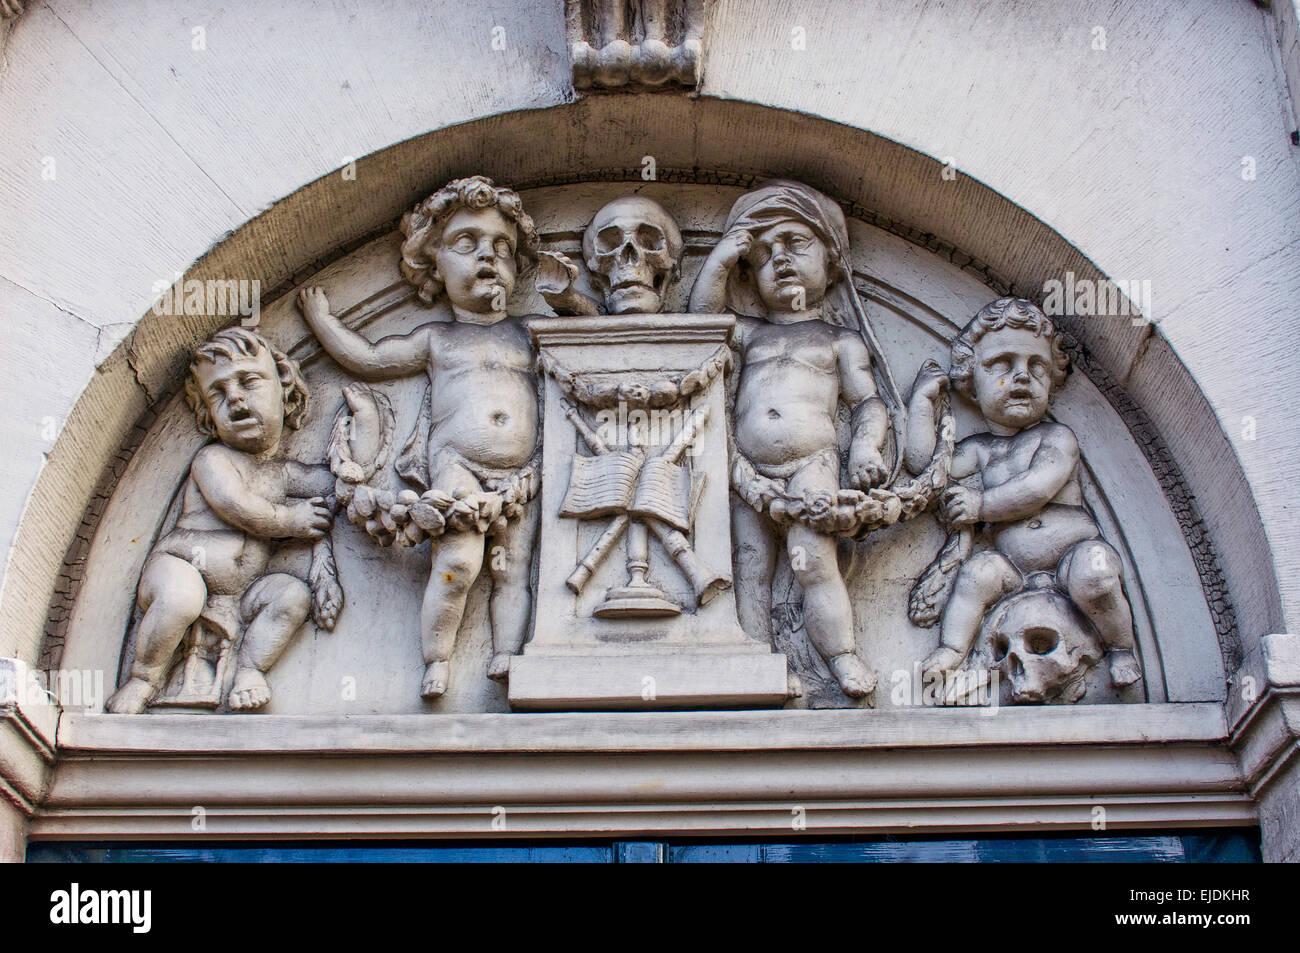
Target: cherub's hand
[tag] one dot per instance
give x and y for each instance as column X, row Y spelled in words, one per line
column 961, row 505
column 732, row 247
column 867, row 469
column 930, row 382
column 315, row 306
column 555, row 282
column 555, row 273
column 308, row 519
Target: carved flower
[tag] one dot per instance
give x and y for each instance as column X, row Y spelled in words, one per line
column 818, row 505
column 634, row 393
column 480, row 195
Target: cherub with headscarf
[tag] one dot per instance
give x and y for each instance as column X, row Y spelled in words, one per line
column 785, row 246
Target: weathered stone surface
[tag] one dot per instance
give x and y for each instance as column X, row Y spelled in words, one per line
column 1184, row 435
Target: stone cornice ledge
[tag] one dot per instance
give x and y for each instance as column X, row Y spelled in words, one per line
column 640, row 732
column 1263, row 709
column 28, row 726
column 627, row 773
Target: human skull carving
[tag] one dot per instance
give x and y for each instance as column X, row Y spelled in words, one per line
column 1041, row 644
column 633, row 250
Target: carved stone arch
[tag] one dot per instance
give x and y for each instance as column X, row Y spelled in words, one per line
column 905, row 213
column 879, row 182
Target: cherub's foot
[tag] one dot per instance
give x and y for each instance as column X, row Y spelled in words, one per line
column 856, row 680
column 500, row 667
column 132, row 698
column 1124, row 668
column 436, row 677
column 249, row 690
column 943, row 659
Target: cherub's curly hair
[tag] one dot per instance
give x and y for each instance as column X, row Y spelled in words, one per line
column 240, row 341
column 423, row 227
column 1004, row 313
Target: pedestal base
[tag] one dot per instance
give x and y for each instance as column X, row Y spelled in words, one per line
column 636, row 602
column 647, row 682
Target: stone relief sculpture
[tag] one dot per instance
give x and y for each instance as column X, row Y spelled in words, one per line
column 474, row 453
column 1048, row 594
column 700, row 475
column 206, row 582
column 810, row 351
column 632, row 249
column 643, row 394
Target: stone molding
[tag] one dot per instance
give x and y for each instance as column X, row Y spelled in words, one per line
column 1263, row 709
column 28, row 725
column 863, row 772
column 1263, row 713
column 642, row 45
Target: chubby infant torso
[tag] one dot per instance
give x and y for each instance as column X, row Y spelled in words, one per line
column 228, row 558
column 789, row 390
column 484, row 393
column 1036, row 542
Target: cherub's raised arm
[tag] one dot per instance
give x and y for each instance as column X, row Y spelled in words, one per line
column 395, row 356
column 922, row 410
column 709, row 295
column 1050, row 468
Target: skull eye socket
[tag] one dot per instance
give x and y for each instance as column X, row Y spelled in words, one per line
column 1000, row 647
column 649, row 238
column 608, row 240
column 1041, row 641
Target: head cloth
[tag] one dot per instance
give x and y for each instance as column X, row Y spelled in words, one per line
column 781, row 200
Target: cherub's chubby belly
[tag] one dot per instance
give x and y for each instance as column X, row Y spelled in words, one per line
column 1037, row 543
column 772, row 428
column 492, row 423
column 228, row 560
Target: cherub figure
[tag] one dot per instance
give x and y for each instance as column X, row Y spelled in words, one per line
column 1021, row 477
column 240, row 497
column 793, row 369
column 469, row 241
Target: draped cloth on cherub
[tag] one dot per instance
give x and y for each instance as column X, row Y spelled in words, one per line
column 780, row 200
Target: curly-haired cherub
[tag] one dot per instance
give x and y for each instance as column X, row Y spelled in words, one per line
column 1022, row 478
column 240, row 496
column 470, row 241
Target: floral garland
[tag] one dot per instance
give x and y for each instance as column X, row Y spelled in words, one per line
column 408, row 518
column 854, row 513
column 660, row 394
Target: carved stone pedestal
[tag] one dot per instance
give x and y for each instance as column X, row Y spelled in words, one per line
column 634, row 601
